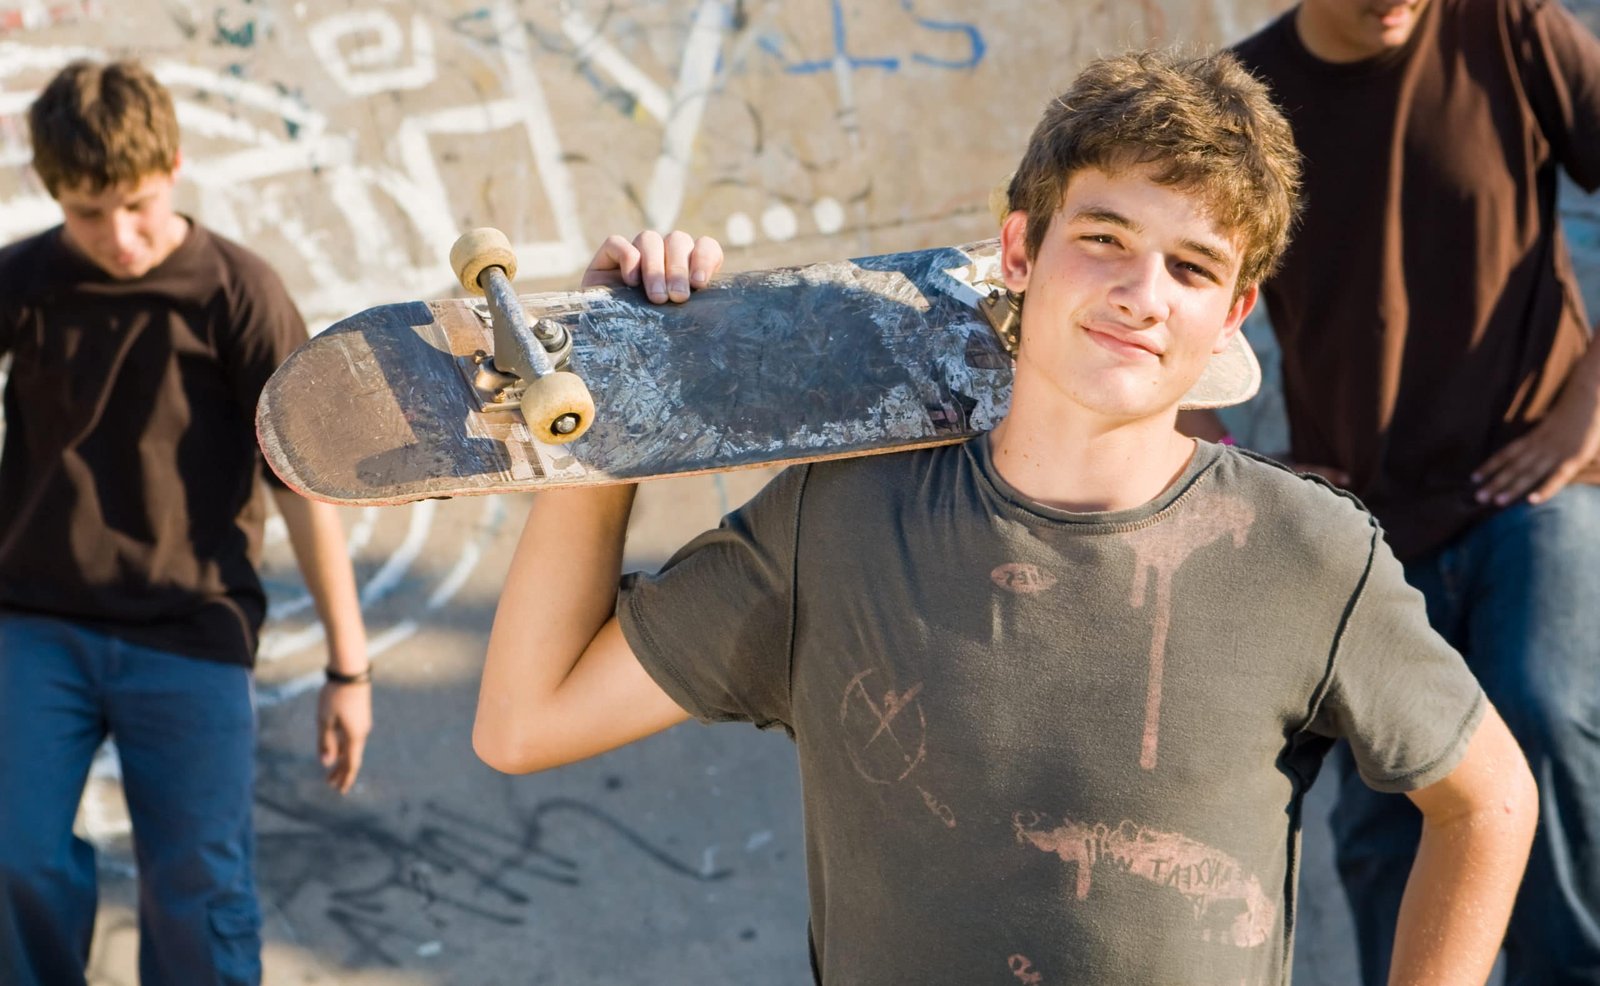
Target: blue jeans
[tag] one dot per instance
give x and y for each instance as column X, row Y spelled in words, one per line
column 1519, row 595
column 185, row 733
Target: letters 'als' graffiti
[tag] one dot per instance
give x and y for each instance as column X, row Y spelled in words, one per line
column 841, row 47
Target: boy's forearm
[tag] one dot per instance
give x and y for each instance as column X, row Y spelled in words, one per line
column 559, row 592
column 1459, row 897
column 317, row 537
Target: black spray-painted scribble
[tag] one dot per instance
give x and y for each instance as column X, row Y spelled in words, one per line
column 389, row 889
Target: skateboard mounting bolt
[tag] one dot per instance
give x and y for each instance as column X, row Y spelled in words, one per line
column 565, row 425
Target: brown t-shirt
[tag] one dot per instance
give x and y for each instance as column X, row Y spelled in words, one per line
column 1053, row 744
column 1427, row 309
column 130, row 498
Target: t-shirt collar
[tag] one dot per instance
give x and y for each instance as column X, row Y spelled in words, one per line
column 1205, row 455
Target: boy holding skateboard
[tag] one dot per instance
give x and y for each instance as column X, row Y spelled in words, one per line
column 130, row 518
column 1057, row 691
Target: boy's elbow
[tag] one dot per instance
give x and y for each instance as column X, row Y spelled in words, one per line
column 1515, row 800
column 1522, row 802
column 1506, row 808
column 505, row 752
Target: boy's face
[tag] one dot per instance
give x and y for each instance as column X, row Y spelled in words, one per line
column 125, row 230
column 1356, row 29
column 1131, row 293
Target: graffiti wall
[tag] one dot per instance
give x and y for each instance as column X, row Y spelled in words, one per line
column 350, row 140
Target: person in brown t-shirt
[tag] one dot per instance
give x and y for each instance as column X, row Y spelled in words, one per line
column 131, row 516
column 1056, row 692
column 1436, row 362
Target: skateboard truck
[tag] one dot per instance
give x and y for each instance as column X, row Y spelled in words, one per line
column 529, row 361
column 1004, row 313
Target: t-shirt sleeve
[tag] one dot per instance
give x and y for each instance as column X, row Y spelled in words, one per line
column 1561, row 70
column 259, row 329
column 1396, row 690
column 714, row 627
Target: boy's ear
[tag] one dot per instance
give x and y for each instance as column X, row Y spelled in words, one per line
column 1242, row 306
column 1014, row 263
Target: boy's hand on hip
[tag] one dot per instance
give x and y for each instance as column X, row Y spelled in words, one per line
column 1546, row 458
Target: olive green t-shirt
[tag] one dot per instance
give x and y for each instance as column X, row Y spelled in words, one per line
column 1045, row 744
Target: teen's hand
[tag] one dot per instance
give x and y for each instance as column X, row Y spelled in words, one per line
column 668, row 268
column 1546, row 458
column 344, row 719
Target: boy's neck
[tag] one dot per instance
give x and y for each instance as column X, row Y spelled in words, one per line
column 1076, row 462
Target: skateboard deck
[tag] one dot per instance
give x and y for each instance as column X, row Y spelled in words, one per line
column 763, row 368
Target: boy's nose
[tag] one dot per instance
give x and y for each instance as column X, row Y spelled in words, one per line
column 1138, row 292
column 124, row 231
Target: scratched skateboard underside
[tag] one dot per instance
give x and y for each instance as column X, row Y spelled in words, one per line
column 771, row 367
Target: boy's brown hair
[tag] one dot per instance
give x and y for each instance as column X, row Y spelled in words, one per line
column 1204, row 123
column 99, row 125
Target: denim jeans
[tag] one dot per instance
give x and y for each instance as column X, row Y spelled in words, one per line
column 1519, row 595
column 185, row 734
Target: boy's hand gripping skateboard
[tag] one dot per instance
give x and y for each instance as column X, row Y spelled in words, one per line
column 457, row 397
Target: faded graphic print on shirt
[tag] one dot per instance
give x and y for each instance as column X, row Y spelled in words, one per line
column 1229, row 903
column 887, row 737
column 1161, row 549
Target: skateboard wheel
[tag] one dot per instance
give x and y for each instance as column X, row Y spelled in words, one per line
column 478, row 249
column 558, row 407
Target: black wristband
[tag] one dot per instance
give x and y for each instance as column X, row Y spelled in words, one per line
column 340, row 678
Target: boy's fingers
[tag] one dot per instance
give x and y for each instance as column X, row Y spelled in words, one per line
column 352, row 766
column 705, row 261
column 667, row 267
column 1513, row 482
column 1553, row 485
column 1508, row 474
column 616, row 262
column 678, row 246
column 652, row 265
column 326, row 743
column 339, row 764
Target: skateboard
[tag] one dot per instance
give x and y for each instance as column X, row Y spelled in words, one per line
column 502, row 393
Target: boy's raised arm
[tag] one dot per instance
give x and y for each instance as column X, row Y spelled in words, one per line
column 560, row 682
